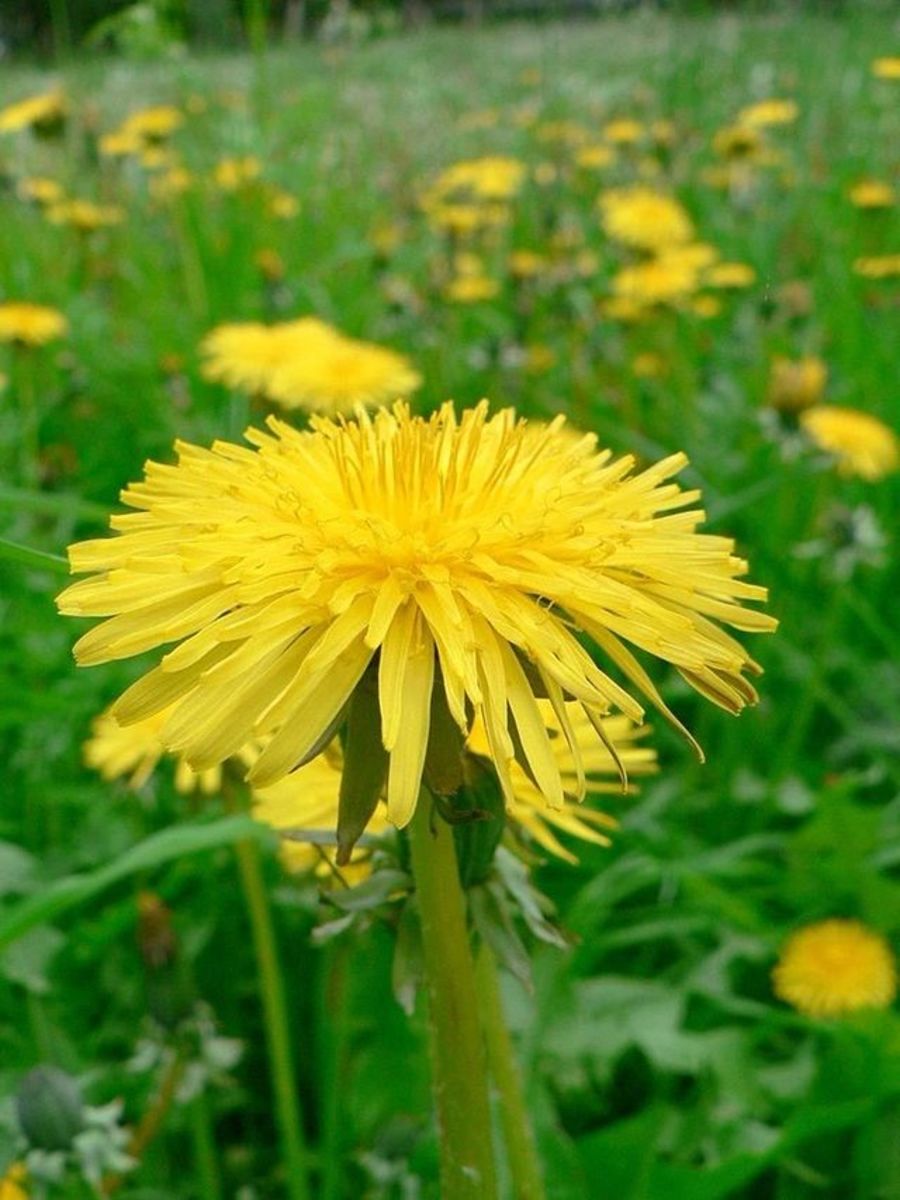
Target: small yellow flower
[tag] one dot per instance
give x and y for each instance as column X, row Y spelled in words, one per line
column 886, row 68
column 12, row 1185
column 860, row 443
column 741, row 142
column 643, row 217
column 706, row 306
column 471, row 289
column 595, row 157
column 232, row 174
column 171, row 183
column 872, row 193
column 883, row 266
column 623, row 132
column 42, row 113
column 835, row 967
column 31, row 324
column 269, row 263
column 39, row 189
column 796, row 383
column 490, row 178
column 768, row 112
column 648, row 365
column 729, row 276
column 525, row 264
column 84, row 215
column 282, row 204
column 133, row 752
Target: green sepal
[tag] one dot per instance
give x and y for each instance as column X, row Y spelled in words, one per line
column 365, row 769
column 477, row 813
column 443, row 771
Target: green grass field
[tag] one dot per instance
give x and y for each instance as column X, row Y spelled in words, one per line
column 657, row 1061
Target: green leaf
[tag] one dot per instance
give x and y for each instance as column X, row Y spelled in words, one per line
column 29, row 557
column 154, row 851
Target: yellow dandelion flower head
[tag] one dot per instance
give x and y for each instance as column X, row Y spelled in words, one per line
column 660, row 280
column 766, row 113
column 153, row 124
column 860, row 443
column 623, row 308
column 590, row 771
column 705, row 306
column 36, row 112
column 120, row 144
column 738, row 141
column 643, row 217
column 492, row 178
column 464, row 219
column 872, row 193
column 526, row 263
column 338, row 373
column 796, row 383
column 730, row 276
column 39, row 189
column 471, row 288
column 282, row 204
column 269, row 263
column 233, row 173
column 394, row 547
column 648, row 365
column 886, row 68
column 84, row 215
column 623, row 132
column 171, row 183
column 307, row 800
column 246, row 355
column 835, row 967
column 595, row 157
column 133, row 752
column 31, row 324
column 12, row 1184
column 879, row 266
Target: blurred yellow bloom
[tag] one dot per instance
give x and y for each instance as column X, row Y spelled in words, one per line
column 660, row 280
column 595, row 158
column 12, row 1184
column 834, row 968
column 872, row 193
column 231, row 174
column 706, row 306
column 623, row 132
column 525, row 264
column 134, row 751
column 883, row 266
column 886, row 68
column 623, row 308
column 306, row 363
column 768, row 112
column 796, row 383
column 860, row 443
column 648, row 365
column 282, row 204
column 728, row 275
column 738, row 141
column 539, row 358
column 270, row 264
column 462, row 219
column 493, row 177
column 84, row 215
column 117, row 144
column 173, row 182
column 642, row 217
column 42, row 113
column 39, row 189
column 141, row 131
column 31, row 324
column 471, row 289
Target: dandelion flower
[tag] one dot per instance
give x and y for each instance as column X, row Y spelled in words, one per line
column 642, row 217
column 886, row 68
column 872, row 193
column 768, row 112
column 42, row 113
column 133, row 752
column 730, row 276
column 84, row 215
column 623, row 132
column 232, row 174
column 12, row 1183
column 835, row 967
column 471, row 288
column 860, row 443
column 738, row 142
column 39, row 189
column 26, row 324
column 595, row 157
column 796, row 383
column 880, row 266
column 391, row 551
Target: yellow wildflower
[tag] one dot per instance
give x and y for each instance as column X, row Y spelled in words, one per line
column 39, row 189
column 43, row 113
column 84, row 215
column 834, row 968
column 391, row 551
column 882, row 266
column 860, row 443
column 872, row 193
column 12, row 1184
column 886, row 68
column 729, row 275
column 643, row 217
column 768, row 112
column 795, row 384
column 116, row 751
column 232, row 174
column 30, row 324
column 595, row 157
column 623, row 132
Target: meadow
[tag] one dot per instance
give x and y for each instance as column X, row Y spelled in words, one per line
column 228, row 1015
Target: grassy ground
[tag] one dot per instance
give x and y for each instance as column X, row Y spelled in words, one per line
column 656, row 1057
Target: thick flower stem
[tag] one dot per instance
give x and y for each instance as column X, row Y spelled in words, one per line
column 459, row 1067
column 521, row 1149
column 278, row 1038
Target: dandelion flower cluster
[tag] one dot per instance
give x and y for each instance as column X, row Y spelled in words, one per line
column 834, row 968
column 644, row 218
column 861, row 444
column 307, row 364
column 42, row 112
column 26, row 324
column 402, row 550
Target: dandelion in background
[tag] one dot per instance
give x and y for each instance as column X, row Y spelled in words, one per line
column 644, row 218
column 796, row 383
column 766, row 113
column 872, row 194
column 445, row 563
column 886, row 68
column 12, row 1183
column 834, row 968
column 25, row 324
column 860, row 444
column 44, row 113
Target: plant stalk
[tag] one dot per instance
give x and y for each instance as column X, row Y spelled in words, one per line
column 459, row 1067
column 278, row 1039
column 521, row 1148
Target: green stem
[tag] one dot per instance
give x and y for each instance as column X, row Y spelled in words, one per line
column 205, row 1160
column 278, row 1039
column 334, row 1020
column 459, row 1079
column 521, row 1149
